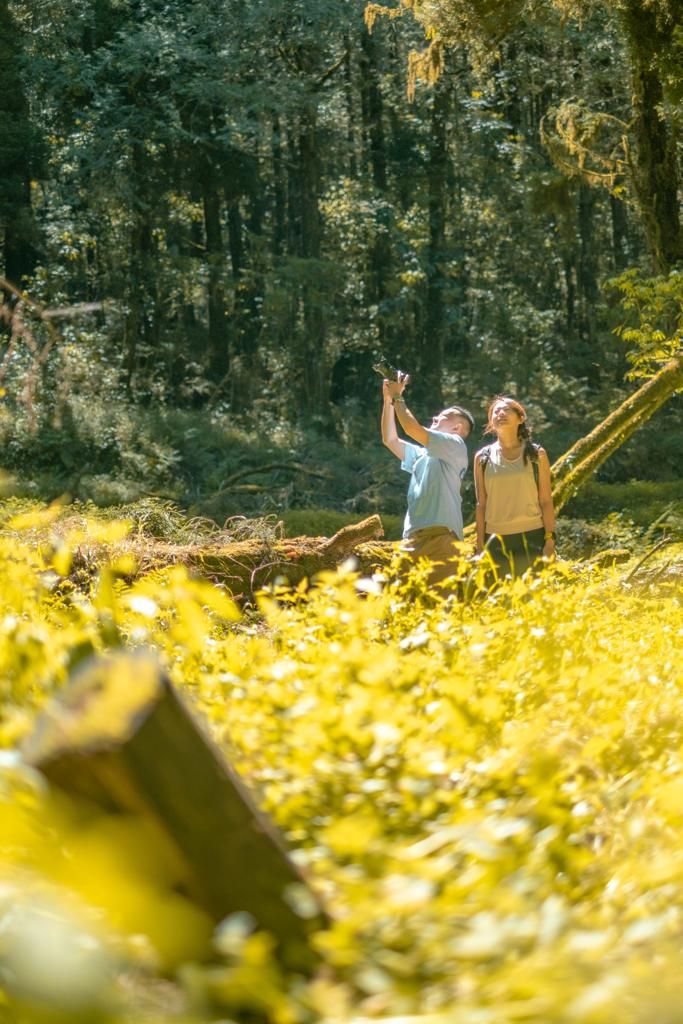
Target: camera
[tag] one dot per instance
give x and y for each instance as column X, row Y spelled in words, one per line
column 387, row 371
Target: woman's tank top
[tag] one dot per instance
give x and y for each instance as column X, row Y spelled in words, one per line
column 512, row 504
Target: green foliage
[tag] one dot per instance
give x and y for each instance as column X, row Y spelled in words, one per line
column 223, row 131
column 485, row 795
column 656, row 306
column 252, row 206
column 589, row 144
column 640, row 501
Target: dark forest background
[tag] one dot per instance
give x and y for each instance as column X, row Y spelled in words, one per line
column 253, row 201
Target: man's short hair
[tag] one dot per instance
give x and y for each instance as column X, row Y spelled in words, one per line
column 458, row 410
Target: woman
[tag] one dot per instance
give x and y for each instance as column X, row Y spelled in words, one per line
column 515, row 515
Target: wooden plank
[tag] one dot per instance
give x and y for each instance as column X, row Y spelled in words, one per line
column 119, row 734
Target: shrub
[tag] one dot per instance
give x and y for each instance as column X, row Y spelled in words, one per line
column 487, row 795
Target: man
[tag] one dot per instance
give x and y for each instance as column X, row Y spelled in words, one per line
column 437, row 463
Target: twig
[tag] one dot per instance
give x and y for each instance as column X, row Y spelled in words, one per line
column 66, row 312
column 660, row 544
column 257, row 569
column 331, row 70
column 294, row 467
column 660, row 572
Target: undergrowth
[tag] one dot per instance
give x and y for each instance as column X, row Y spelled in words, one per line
column 487, row 796
column 208, row 466
column 157, row 518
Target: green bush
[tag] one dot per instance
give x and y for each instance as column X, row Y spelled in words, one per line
column 325, row 522
column 643, row 501
column 114, row 452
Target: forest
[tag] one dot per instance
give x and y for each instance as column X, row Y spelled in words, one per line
column 229, row 211
column 252, row 768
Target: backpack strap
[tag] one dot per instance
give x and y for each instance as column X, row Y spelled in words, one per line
column 485, row 458
column 534, row 461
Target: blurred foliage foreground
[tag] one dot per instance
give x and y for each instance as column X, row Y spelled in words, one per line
column 487, row 796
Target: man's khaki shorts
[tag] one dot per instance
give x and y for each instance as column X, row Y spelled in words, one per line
column 439, row 545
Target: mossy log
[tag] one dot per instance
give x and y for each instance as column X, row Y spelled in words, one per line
column 120, row 736
column 578, row 464
column 245, row 567
column 249, row 566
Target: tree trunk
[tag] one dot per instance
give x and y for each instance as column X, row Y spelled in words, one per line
column 17, row 144
column 278, row 233
column 245, row 567
column 309, row 174
column 373, row 110
column 656, row 162
column 432, row 350
column 374, row 137
column 247, row 319
column 313, row 368
column 620, row 246
column 569, row 290
column 351, row 147
column 572, row 470
column 584, row 362
column 219, row 356
column 135, row 324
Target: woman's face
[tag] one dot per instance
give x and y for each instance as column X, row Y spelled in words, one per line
column 504, row 413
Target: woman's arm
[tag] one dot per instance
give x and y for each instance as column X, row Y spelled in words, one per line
column 545, row 500
column 480, row 513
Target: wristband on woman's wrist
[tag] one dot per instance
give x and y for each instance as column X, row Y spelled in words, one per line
column 549, row 535
column 399, row 398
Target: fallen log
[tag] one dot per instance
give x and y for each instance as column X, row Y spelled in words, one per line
column 245, row 567
column 121, row 736
column 582, row 460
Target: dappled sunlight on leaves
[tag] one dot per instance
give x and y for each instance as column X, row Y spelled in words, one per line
column 487, row 795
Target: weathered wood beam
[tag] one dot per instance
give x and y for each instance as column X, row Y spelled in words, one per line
column 120, row 735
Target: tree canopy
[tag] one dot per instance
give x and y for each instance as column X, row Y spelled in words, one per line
column 261, row 198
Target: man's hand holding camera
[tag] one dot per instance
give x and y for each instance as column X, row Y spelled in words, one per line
column 393, row 389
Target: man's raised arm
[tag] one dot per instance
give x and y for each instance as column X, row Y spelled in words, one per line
column 394, row 389
column 390, row 437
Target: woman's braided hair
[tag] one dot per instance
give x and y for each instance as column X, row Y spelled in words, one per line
column 524, row 431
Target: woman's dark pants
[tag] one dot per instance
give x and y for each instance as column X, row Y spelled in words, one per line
column 513, row 553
